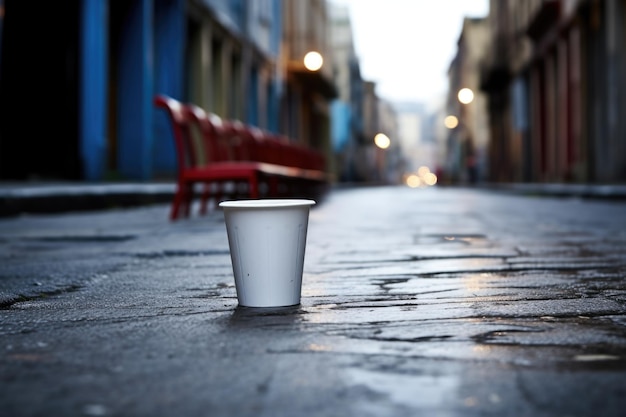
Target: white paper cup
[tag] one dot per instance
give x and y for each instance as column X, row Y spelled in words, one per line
column 267, row 240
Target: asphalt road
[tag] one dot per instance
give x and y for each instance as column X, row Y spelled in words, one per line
column 437, row 302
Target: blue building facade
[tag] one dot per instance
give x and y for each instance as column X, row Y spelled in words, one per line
column 94, row 67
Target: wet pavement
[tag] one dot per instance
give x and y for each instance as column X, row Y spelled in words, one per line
column 439, row 301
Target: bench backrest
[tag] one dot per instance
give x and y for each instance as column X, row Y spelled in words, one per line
column 202, row 138
column 189, row 152
column 212, row 131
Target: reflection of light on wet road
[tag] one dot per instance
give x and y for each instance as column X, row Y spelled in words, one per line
column 476, row 282
column 594, row 358
column 319, row 348
column 408, row 390
column 481, row 350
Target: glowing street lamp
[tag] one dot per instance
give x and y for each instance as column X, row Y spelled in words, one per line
column 313, row 61
column 382, row 141
column 413, row 181
column 465, row 95
column 451, row 122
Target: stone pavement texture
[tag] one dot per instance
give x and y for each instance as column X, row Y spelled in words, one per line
column 438, row 302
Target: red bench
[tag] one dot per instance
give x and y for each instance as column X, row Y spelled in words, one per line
column 215, row 152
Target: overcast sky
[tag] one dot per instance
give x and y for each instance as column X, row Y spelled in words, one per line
column 406, row 46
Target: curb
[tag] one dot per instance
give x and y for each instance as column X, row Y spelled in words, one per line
column 587, row 191
column 20, row 199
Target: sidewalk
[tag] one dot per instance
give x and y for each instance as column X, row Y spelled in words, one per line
column 439, row 302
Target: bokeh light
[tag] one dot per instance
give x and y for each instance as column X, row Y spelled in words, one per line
column 451, row 122
column 430, row 178
column 313, row 61
column 466, row 95
column 424, row 177
column 382, row 141
column 413, row 181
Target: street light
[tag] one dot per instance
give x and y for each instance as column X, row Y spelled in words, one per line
column 313, row 61
column 451, row 122
column 382, row 141
column 465, row 95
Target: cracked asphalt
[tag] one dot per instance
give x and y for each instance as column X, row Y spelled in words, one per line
column 438, row 302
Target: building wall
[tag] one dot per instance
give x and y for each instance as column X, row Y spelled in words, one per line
column 306, row 27
column 51, row 91
column 390, row 161
column 342, row 49
column 469, row 152
column 306, row 99
column 109, row 61
column 365, row 152
column 567, row 73
column 605, row 41
column 346, row 116
column 239, row 59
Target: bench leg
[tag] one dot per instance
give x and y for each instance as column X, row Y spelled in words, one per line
column 179, row 199
column 188, row 199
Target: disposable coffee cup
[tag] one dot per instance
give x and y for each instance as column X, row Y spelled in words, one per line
column 267, row 241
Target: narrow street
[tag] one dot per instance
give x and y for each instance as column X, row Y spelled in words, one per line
column 437, row 301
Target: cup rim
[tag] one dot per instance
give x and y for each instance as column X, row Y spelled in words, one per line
column 266, row 203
